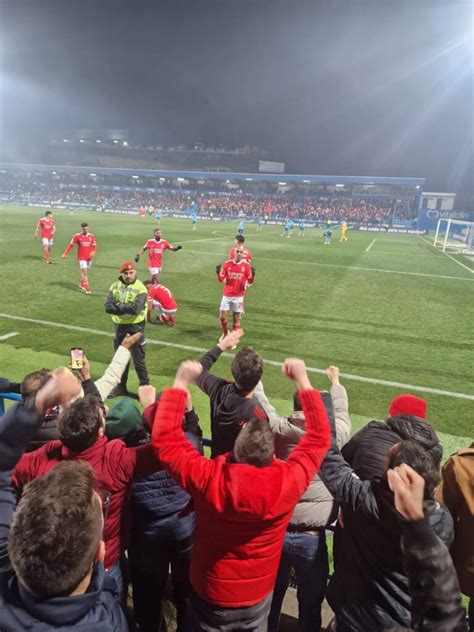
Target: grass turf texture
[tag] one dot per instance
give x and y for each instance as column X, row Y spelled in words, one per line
column 327, row 304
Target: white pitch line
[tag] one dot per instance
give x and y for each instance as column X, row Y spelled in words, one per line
column 471, row 270
column 335, row 265
column 10, row 335
column 348, row 376
column 399, row 254
column 370, row 245
column 194, row 241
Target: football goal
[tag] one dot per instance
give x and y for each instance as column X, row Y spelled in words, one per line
column 453, row 235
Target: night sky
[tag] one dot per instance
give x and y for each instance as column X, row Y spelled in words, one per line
column 329, row 87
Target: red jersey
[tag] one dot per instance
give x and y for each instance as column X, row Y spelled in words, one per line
column 163, row 295
column 155, row 251
column 247, row 254
column 237, row 277
column 86, row 246
column 47, row 227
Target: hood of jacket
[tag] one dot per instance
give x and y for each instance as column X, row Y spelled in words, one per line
column 408, row 427
column 93, row 610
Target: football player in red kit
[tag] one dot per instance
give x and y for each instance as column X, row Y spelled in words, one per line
column 161, row 298
column 47, row 226
column 86, row 249
column 237, row 275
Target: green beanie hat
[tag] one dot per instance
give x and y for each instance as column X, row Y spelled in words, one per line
column 123, row 417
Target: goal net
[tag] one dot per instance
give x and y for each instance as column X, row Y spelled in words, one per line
column 454, row 235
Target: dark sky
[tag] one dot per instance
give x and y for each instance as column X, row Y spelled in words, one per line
column 350, row 87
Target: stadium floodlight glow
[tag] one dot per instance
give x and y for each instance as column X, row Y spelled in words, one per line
column 65, row 140
column 339, row 185
column 98, row 141
column 135, row 177
column 162, row 179
column 282, row 184
column 54, row 173
column 115, row 141
column 81, row 140
column 249, row 179
column 306, row 181
column 93, row 175
column 125, row 144
column 180, row 179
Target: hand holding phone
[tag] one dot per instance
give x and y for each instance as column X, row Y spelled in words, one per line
column 77, row 358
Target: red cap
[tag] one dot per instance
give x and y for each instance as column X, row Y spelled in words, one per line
column 127, row 265
column 408, row 405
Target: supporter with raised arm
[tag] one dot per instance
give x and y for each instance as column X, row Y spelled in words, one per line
column 243, row 502
column 369, row 588
column 51, row 548
column 232, row 403
column 434, row 589
column 82, row 437
column 304, row 546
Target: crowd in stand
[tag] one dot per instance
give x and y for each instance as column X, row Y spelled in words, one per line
column 94, row 498
column 321, row 209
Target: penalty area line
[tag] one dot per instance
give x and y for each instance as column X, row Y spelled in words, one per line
column 162, row 343
column 370, row 245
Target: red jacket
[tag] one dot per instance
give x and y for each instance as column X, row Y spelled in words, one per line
column 115, row 466
column 242, row 511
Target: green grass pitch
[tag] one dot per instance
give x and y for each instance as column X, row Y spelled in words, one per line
column 386, row 308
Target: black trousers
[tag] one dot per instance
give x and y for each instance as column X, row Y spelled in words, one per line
column 149, row 566
column 137, row 351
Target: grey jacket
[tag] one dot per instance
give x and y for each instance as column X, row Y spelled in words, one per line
column 316, row 507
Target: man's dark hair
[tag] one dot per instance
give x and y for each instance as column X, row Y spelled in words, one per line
column 79, row 424
column 56, row 530
column 247, row 369
column 254, row 444
column 34, row 381
column 49, row 213
column 84, row 225
column 148, row 282
column 415, row 455
column 240, row 239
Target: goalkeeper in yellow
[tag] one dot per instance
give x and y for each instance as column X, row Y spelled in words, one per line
column 343, row 231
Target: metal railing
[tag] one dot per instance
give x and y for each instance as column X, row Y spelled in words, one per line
column 13, row 396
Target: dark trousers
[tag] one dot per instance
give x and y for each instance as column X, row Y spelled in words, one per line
column 149, row 565
column 307, row 554
column 206, row 617
column 471, row 614
column 137, row 351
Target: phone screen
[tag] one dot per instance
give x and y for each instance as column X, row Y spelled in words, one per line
column 77, row 358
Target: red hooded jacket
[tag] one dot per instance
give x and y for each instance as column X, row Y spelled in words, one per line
column 242, row 511
column 115, row 466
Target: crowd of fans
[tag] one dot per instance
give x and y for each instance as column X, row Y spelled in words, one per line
column 322, row 209
column 96, row 498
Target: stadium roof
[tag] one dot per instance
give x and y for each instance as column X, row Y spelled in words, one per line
column 205, row 175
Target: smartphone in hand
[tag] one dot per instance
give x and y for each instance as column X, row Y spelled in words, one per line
column 77, row 358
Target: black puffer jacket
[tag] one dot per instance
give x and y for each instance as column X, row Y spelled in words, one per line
column 369, row 589
column 433, row 584
column 366, row 451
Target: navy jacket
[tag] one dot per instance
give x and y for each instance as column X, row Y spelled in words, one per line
column 161, row 509
column 20, row 610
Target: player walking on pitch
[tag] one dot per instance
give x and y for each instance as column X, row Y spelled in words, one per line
column 156, row 247
column 343, row 231
column 86, row 249
column 238, row 275
column 47, row 226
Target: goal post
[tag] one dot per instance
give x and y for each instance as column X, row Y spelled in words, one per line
column 453, row 235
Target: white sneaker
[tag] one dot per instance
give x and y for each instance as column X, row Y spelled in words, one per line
column 234, row 347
